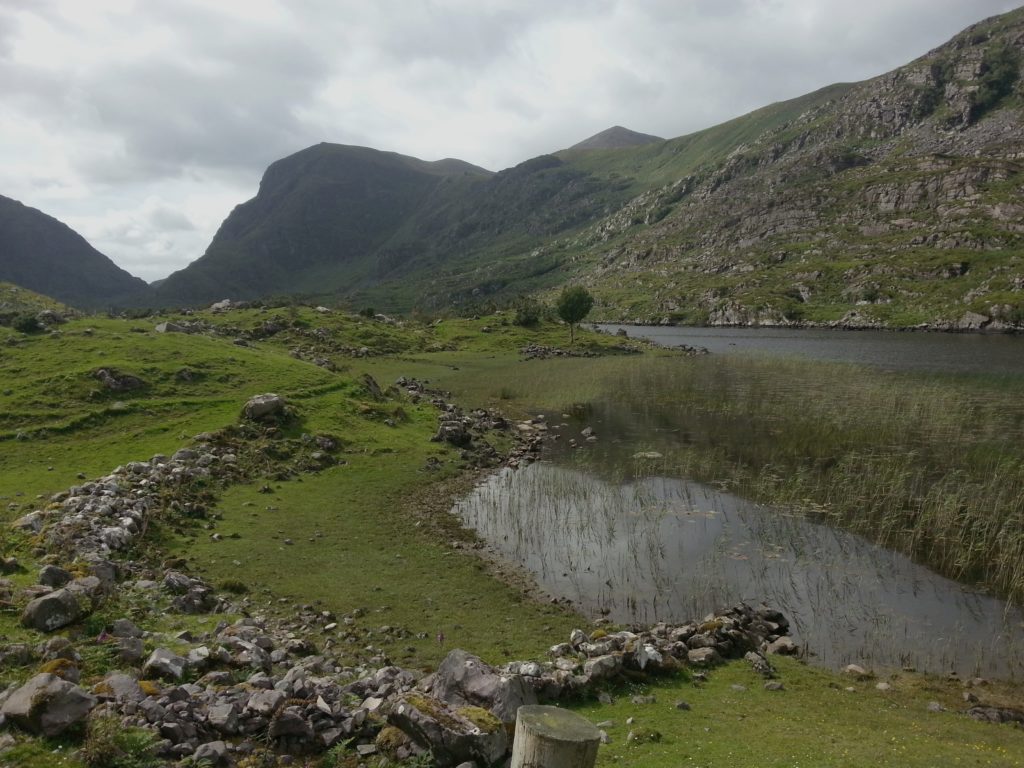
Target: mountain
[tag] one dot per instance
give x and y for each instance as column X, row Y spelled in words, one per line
column 336, row 220
column 891, row 202
column 42, row 254
column 616, row 137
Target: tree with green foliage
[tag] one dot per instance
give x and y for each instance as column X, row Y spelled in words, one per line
column 573, row 305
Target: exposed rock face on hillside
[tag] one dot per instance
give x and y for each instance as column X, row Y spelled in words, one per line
column 44, row 255
column 615, row 138
column 898, row 203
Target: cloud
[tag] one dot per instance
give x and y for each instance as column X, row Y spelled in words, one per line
column 142, row 122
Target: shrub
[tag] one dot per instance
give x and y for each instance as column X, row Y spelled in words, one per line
column 109, row 745
column 27, row 323
column 528, row 313
column 1000, row 70
column 234, row 586
column 573, row 305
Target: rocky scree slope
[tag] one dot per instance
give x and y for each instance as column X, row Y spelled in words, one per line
column 896, row 203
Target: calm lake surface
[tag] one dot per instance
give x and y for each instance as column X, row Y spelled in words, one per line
column 664, row 549
column 941, row 352
column 612, row 527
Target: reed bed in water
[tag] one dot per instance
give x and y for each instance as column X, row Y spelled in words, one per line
column 931, row 466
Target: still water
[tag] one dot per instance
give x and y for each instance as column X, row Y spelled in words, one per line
column 665, row 549
column 612, row 526
column 998, row 354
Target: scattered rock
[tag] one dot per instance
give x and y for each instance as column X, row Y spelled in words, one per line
column 47, row 705
column 264, row 407
column 54, row 610
column 54, row 576
column 165, row 664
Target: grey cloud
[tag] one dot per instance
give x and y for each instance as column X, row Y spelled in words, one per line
column 171, row 220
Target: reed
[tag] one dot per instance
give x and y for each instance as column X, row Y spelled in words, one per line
column 931, row 467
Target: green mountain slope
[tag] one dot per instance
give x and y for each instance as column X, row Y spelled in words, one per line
column 337, row 220
column 42, row 254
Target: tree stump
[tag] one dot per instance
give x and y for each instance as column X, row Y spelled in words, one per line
column 550, row 737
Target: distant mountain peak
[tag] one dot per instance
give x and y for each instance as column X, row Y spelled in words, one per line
column 616, row 137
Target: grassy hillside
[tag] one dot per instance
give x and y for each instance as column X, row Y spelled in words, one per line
column 653, row 165
column 370, row 535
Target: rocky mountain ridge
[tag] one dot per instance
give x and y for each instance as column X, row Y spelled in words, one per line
column 898, row 203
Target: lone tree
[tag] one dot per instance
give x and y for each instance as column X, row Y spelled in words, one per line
column 573, row 305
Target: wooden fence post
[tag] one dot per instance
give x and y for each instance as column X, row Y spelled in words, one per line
column 550, row 737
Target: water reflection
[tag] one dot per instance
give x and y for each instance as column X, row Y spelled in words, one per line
column 664, row 549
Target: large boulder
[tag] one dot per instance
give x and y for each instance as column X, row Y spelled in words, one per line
column 262, row 407
column 465, row 680
column 47, row 705
column 54, row 610
column 452, row 735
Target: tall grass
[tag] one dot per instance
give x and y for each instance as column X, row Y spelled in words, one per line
column 931, row 467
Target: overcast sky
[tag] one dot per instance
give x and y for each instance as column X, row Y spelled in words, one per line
column 141, row 124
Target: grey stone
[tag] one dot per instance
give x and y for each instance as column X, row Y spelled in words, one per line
column 125, row 628
column 130, row 650
column 171, row 328
column 856, row 671
column 783, row 646
column 47, row 705
column 165, row 664
column 120, row 687
column 450, row 737
column 463, row 679
column 54, row 576
column 53, row 611
column 216, row 752
column 32, row 522
column 265, row 702
column 602, row 667
column 703, row 657
column 290, row 723
column 263, row 406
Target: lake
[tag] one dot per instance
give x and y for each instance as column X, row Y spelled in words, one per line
column 922, row 351
column 617, row 525
column 664, row 549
